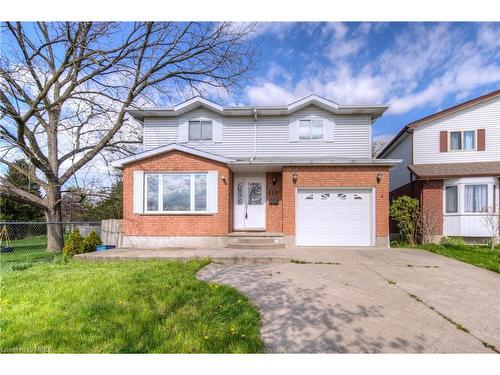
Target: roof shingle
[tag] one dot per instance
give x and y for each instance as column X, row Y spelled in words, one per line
column 453, row 170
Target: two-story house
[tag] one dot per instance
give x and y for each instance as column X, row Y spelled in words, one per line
column 451, row 162
column 302, row 174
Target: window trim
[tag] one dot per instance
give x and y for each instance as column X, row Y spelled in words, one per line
column 200, row 120
column 462, row 132
column 192, row 194
column 311, row 119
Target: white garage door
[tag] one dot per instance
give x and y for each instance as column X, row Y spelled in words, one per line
column 334, row 217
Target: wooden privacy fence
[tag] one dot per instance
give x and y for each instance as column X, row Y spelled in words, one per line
column 111, row 232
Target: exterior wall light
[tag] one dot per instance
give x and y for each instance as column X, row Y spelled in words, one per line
column 275, row 180
column 294, row 177
column 379, row 177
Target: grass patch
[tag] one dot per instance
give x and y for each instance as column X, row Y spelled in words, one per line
column 124, row 307
column 477, row 255
column 27, row 250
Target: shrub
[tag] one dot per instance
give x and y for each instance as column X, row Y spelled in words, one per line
column 453, row 242
column 74, row 244
column 405, row 211
column 90, row 242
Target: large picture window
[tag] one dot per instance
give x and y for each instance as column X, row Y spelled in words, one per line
column 176, row 192
column 200, row 130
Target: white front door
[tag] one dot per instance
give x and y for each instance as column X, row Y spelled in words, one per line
column 249, row 203
column 334, row 217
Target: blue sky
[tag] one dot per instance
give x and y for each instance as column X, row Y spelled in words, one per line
column 416, row 68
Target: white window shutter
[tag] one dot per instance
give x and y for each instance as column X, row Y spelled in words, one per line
column 212, row 192
column 138, row 192
column 294, row 131
column 183, row 132
column 217, row 131
column 329, row 130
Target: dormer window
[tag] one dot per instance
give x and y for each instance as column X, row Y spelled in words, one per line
column 200, row 130
column 311, row 130
column 462, row 140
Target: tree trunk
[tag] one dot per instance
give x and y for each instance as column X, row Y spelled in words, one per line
column 55, row 233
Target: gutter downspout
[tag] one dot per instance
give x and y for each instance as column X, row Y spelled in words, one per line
column 254, row 135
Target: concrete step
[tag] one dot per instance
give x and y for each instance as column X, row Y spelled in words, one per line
column 254, row 240
column 253, row 246
column 256, row 234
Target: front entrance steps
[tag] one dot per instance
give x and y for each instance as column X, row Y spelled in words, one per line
column 256, row 240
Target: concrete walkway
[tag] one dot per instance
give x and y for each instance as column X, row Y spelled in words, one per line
column 227, row 256
column 355, row 300
column 374, row 300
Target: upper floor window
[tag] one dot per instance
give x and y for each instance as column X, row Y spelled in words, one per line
column 200, row 130
column 311, row 130
column 463, row 140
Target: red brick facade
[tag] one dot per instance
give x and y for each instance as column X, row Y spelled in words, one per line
column 280, row 196
column 337, row 177
column 178, row 225
column 431, row 201
column 274, row 194
column 430, row 195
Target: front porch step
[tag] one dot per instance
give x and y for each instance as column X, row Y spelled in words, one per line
column 256, row 240
column 255, row 246
column 256, row 234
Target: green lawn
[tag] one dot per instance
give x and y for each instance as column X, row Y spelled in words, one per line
column 27, row 250
column 123, row 307
column 478, row 255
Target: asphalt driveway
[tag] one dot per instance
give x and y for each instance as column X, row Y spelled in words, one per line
column 370, row 300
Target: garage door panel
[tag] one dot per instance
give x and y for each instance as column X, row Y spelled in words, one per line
column 334, row 217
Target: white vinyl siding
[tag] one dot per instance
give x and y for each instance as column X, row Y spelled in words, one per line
column 485, row 115
column 400, row 174
column 350, row 135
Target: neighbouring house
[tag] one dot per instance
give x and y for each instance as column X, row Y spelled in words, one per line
column 301, row 174
column 451, row 162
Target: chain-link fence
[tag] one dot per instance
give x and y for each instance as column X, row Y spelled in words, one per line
column 24, row 243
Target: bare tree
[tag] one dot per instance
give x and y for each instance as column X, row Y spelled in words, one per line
column 428, row 222
column 377, row 146
column 65, row 87
column 491, row 219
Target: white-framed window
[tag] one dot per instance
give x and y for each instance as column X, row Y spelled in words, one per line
column 311, row 130
column 462, row 140
column 176, row 192
column 200, row 130
column 451, row 199
column 476, row 198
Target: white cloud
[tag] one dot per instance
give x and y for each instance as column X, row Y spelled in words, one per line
column 421, row 66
